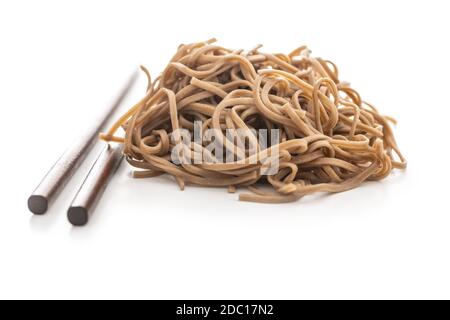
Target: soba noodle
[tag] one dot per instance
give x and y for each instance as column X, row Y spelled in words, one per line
column 329, row 140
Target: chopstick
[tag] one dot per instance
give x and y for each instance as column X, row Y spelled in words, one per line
column 94, row 185
column 64, row 168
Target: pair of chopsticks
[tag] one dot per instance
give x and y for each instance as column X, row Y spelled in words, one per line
column 95, row 181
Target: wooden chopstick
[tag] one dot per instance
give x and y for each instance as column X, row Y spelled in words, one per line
column 61, row 172
column 94, row 184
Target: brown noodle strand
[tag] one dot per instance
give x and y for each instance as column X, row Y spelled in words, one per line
column 330, row 139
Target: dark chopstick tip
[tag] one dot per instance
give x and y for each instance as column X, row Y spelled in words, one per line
column 37, row 204
column 78, row 216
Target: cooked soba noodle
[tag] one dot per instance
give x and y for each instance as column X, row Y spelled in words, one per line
column 330, row 140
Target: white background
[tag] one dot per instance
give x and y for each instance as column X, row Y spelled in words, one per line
column 61, row 60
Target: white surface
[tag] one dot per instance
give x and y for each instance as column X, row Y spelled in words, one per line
column 60, row 60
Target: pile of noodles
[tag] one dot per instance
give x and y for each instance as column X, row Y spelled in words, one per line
column 330, row 139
